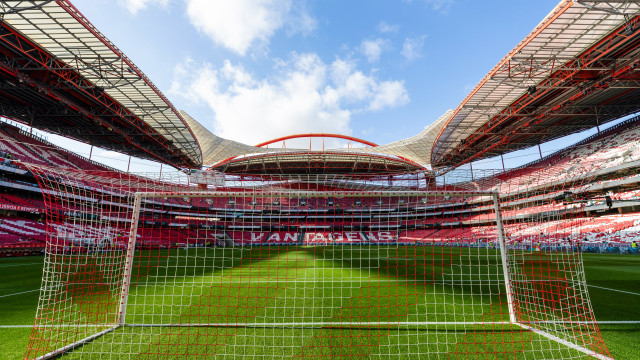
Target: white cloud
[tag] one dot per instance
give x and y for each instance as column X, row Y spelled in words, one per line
column 299, row 20
column 239, row 25
column 372, row 49
column 411, row 49
column 388, row 94
column 136, row 5
column 435, row 4
column 439, row 4
column 384, row 28
column 305, row 95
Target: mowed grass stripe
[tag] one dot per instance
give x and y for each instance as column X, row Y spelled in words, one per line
column 614, row 333
column 309, row 303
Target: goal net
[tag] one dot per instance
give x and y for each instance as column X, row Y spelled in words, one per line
column 379, row 267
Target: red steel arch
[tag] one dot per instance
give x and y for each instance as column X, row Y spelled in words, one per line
column 317, row 135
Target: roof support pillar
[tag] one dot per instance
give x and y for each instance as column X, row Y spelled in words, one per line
column 540, row 151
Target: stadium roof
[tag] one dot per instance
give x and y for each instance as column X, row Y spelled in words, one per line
column 577, row 69
column 316, row 162
column 60, row 74
column 415, row 150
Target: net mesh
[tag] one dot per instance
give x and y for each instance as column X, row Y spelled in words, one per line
column 394, row 266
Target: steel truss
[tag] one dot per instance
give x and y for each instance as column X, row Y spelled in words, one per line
column 556, row 82
column 87, row 82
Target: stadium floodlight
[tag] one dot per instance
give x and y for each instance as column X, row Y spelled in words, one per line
column 408, row 281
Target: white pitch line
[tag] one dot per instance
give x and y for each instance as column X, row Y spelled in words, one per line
column 55, row 286
column 24, row 292
column 15, row 326
column 258, row 282
column 606, row 322
column 310, row 281
column 326, row 323
column 616, row 290
column 239, row 279
column 400, row 282
column 11, row 265
column 388, row 258
column 55, row 326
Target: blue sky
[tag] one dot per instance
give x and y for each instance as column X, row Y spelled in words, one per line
column 252, row 70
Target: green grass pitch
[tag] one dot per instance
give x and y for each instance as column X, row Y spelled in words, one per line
column 312, row 280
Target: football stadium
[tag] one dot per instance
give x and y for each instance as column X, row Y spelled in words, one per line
column 392, row 251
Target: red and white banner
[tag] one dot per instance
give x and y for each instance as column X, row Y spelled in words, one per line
column 331, row 238
column 20, row 208
column 347, row 237
column 323, row 237
column 382, row 236
column 273, row 238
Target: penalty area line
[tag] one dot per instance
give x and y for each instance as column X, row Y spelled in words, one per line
column 55, row 326
column 53, row 287
column 325, row 324
column 616, row 290
column 406, row 281
column 19, row 293
column 12, row 265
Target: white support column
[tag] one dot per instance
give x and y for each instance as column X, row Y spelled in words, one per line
column 131, row 249
column 505, row 259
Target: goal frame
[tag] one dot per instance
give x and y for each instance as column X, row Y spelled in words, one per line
column 126, row 282
column 132, row 237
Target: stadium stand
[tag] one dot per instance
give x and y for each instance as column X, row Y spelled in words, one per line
column 29, row 148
